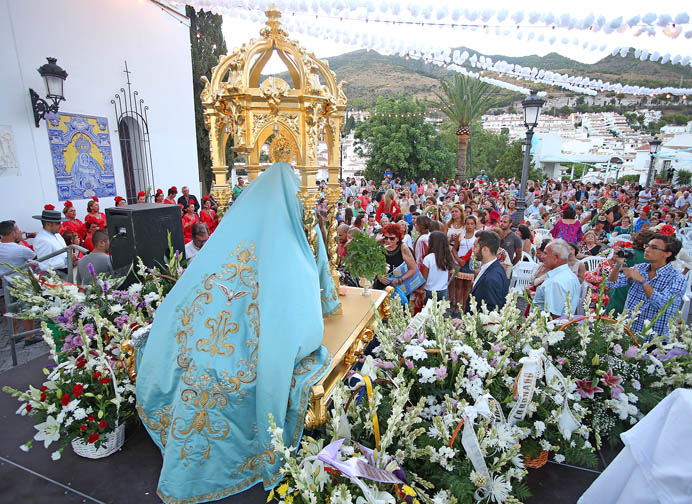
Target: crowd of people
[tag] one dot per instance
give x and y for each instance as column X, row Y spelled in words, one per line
column 460, row 240
column 461, row 235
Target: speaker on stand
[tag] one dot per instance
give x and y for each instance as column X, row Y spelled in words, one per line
column 141, row 230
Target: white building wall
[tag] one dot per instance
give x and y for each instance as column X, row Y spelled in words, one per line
column 92, row 40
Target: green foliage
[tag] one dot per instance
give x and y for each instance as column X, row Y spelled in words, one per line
column 365, row 257
column 349, row 125
column 464, row 99
column 628, row 178
column 405, row 145
column 683, row 177
column 206, row 44
column 511, row 163
column 486, row 148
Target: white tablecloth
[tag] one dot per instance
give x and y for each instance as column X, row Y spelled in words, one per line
column 655, row 467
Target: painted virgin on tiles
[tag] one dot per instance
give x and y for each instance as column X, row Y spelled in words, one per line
column 82, row 158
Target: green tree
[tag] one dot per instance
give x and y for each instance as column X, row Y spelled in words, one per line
column 349, row 125
column 396, row 138
column 511, row 163
column 486, row 147
column 207, row 43
column 462, row 100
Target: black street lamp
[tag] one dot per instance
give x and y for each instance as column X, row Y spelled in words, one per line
column 654, row 147
column 54, row 78
column 532, row 111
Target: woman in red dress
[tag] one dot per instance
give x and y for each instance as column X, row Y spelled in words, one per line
column 172, row 193
column 91, row 226
column 189, row 218
column 120, row 201
column 72, row 224
column 158, row 198
column 93, row 210
column 388, row 205
column 207, row 215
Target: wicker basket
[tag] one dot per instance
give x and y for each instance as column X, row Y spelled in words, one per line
column 536, row 463
column 111, row 443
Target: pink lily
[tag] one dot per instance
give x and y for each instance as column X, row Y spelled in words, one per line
column 586, row 388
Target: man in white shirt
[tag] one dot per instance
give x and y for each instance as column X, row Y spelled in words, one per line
column 560, row 282
column 11, row 252
column 685, row 198
column 534, row 208
column 644, row 196
column 48, row 240
column 200, row 235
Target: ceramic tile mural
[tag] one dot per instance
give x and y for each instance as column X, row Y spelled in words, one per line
column 82, row 158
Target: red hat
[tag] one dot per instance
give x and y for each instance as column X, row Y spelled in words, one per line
column 646, row 209
column 667, row 230
column 494, row 215
column 118, row 199
column 68, row 204
column 95, row 198
column 141, row 193
column 159, row 191
column 49, row 207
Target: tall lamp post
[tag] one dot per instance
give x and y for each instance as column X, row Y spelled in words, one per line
column 532, row 110
column 654, row 147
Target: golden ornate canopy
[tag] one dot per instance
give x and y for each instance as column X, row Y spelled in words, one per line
column 236, row 104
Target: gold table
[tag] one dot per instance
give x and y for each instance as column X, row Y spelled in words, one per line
column 346, row 336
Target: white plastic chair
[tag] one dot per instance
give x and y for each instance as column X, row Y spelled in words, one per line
column 521, row 275
column 525, row 256
column 592, row 262
column 685, row 233
column 621, row 237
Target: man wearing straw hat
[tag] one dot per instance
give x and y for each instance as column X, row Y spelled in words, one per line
column 48, row 240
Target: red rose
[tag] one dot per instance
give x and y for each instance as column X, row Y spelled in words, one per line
column 28, row 408
column 102, row 424
column 77, row 390
column 43, row 397
column 105, row 380
column 82, row 427
column 93, row 438
column 90, row 418
column 43, row 389
column 97, row 374
column 65, row 399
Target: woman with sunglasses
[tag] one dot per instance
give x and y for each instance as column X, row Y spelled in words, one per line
column 396, row 253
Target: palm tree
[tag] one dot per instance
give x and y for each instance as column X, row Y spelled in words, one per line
column 463, row 100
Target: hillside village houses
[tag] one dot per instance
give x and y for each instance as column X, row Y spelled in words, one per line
column 603, row 140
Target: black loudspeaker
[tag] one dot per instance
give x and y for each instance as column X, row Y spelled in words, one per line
column 141, row 230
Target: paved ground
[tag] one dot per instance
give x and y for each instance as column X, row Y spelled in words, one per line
column 24, row 353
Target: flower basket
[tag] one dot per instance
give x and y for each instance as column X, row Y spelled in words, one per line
column 111, row 443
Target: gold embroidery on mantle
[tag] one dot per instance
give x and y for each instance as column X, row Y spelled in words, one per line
column 205, row 390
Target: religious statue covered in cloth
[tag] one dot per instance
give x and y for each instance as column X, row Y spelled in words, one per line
column 237, row 338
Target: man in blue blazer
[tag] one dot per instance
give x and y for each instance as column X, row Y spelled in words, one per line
column 491, row 284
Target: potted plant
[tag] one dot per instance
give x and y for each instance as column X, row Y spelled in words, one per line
column 364, row 260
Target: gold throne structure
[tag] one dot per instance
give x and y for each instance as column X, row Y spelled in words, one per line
column 239, row 105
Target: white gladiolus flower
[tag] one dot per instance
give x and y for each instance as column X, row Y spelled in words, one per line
column 559, row 458
column 56, row 455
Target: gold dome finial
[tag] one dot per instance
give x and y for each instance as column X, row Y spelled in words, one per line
column 273, row 29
